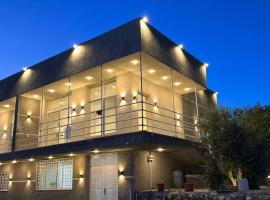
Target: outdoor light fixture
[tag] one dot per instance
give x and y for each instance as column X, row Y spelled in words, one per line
column 181, row 46
column 14, row 161
column 155, row 104
column 71, row 154
column 28, row 116
column 82, row 107
column 0, row 163
column 205, row 65
column 121, row 173
column 10, row 178
column 28, row 178
column 75, row 46
column 73, row 110
column 96, row 151
column 31, row 159
column 123, row 98
column 5, row 131
column 145, row 19
column 134, row 97
column 50, row 157
column 160, row 149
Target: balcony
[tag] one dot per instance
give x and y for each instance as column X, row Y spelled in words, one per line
column 132, row 94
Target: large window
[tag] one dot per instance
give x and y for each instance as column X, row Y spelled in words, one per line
column 7, row 109
column 56, row 174
column 4, row 180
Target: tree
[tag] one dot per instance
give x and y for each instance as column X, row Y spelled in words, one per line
column 238, row 140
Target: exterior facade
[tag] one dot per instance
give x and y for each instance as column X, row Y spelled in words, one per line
column 104, row 119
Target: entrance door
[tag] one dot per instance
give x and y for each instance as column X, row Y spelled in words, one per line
column 104, row 177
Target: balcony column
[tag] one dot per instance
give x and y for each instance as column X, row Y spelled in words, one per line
column 15, row 124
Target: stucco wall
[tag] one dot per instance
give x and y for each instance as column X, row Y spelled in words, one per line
column 23, row 190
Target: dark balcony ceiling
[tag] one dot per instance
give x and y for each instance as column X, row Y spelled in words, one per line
column 129, row 141
column 122, row 41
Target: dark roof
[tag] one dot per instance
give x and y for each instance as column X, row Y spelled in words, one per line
column 119, row 42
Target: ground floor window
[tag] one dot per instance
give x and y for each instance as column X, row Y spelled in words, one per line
column 55, row 174
column 4, row 179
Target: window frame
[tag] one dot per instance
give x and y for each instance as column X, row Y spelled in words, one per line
column 54, row 162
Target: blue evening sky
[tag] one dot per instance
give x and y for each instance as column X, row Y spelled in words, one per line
column 232, row 35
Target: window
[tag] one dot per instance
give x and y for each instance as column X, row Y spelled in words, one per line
column 55, row 174
column 4, row 180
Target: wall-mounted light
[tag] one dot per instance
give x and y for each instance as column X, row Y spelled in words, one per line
column 134, row 98
column 123, row 98
column 10, row 178
column 28, row 116
column 28, row 178
column 4, row 131
column 155, row 104
column 181, row 46
column 121, row 174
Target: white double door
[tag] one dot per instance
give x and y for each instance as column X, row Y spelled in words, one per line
column 104, row 177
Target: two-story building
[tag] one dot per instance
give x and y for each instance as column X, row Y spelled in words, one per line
column 103, row 119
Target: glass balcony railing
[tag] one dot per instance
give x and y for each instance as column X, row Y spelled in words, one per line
column 127, row 118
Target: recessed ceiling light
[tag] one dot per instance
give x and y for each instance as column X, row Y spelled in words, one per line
column 187, row 89
column 96, row 151
column 151, row 71
column 88, row 78
column 68, row 84
column 31, row 159
column 6, row 106
column 50, row 157
column 165, row 77
column 109, row 70
column 177, row 83
column 71, row 154
column 160, row 149
column 14, row 161
column 36, row 96
column 51, row 90
column 135, row 62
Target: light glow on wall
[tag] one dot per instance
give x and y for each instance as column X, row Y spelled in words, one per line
column 145, row 19
column 151, row 71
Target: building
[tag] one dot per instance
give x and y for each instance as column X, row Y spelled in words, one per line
column 108, row 117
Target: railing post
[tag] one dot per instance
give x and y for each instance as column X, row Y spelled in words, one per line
column 16, row 112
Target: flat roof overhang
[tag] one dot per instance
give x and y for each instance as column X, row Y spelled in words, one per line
column 132, row 37
column 139, row 140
